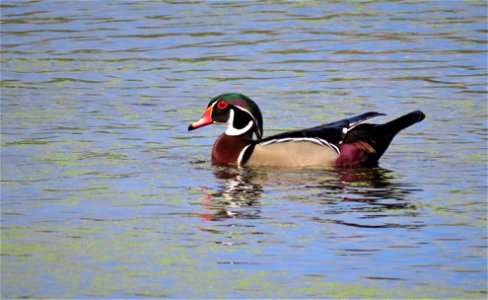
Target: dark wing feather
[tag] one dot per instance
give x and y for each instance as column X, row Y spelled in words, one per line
column 333, row 132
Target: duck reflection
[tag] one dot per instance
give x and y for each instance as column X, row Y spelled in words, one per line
column 366, row 185
column 237, row 198
column 367, row 198
column 337, row 191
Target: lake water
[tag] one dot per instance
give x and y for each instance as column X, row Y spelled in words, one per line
column 106, row 195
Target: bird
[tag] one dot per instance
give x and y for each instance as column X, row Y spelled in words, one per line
column 351, row 141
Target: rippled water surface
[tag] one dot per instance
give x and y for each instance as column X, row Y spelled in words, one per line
column 105, row 194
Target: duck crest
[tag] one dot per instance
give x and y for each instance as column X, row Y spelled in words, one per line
column 227, row 148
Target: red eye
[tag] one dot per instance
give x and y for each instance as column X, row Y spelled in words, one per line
column 222, row 105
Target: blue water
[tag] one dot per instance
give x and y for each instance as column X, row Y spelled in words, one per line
column 105, row 194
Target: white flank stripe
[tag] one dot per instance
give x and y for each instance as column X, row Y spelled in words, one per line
column 318, row 141
column 239, row 159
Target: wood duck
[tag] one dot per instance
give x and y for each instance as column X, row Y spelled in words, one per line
column 346, row 142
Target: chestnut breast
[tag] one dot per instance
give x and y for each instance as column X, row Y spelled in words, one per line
column 227, row 148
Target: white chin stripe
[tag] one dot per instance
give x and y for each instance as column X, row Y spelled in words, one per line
column 258, row 132
column 234, row 131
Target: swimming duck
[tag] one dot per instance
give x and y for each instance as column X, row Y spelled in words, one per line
column 347, row 142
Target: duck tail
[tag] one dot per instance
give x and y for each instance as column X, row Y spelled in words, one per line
column 374, row 139
column 386, row 132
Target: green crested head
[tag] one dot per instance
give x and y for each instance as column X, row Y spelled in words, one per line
column 246, row 105
column 240, row 113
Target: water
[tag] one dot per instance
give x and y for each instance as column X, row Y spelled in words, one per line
column 106, row 195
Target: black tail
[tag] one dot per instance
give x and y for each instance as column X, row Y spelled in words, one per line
column 379, row 136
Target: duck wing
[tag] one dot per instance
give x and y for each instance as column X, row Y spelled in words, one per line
column 330, row 134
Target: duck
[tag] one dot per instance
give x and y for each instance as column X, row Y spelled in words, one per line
column 351, row 141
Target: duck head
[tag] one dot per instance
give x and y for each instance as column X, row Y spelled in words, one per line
column 239, row 112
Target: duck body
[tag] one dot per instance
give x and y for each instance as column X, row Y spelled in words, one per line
column 347, row 142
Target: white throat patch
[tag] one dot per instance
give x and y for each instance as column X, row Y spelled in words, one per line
column 234, row 131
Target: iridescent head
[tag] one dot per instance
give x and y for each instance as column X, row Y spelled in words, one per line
column 239, row 112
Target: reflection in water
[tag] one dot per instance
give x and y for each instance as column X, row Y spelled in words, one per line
column 357, row 195
column 238, row 191
column 370, row 195
column 367, row 185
